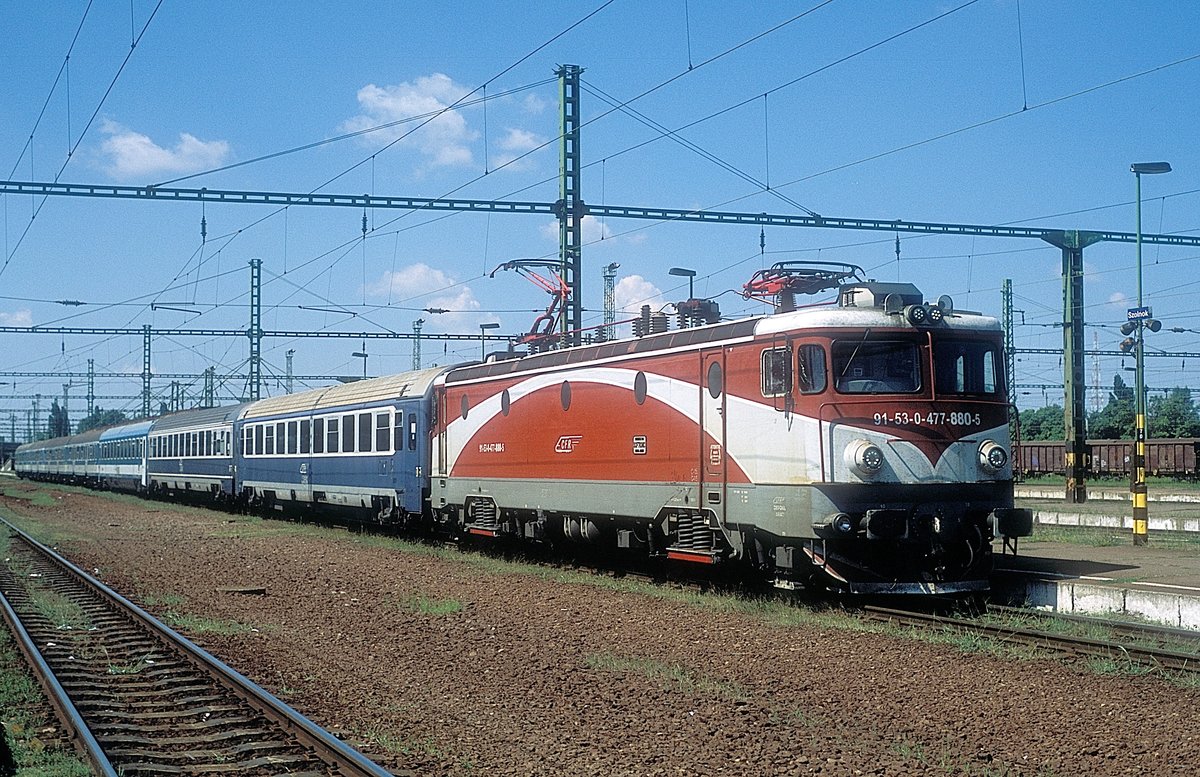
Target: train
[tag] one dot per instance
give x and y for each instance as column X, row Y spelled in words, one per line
column 859, row 446
column 1167, row 457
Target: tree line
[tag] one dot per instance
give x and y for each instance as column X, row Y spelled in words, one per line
column 58, row 424
column 1168, row 416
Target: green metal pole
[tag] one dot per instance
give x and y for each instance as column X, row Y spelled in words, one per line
column 1137, row 487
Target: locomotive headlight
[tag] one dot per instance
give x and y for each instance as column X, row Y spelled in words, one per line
column 864, row 457
column 936, row 314
column 843, row 523
column 992, row 456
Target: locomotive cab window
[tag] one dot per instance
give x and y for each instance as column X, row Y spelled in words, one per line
column 810, row 369
column 776, row 372
column 967, row 367
column 876, row 366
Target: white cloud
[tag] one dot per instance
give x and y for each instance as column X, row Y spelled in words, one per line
column 21, row 317
column 443, row 141
column 1118, row 299
column 594, row 230
column 513, row 144
column 633, row 291
column 533, row 104
column 420, row 284
column 134, row 155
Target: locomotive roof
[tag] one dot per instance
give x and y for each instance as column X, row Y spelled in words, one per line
column 799, row 321
column 203, row 417
column 867, row 317
column 406, row 384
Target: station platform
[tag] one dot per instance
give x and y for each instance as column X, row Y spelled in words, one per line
column 1109, row 508
column 1160, row 584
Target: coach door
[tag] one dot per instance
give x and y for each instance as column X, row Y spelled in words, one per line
column 440, row 423
column 712, row 432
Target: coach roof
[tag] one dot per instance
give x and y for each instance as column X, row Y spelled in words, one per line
column 374, row 390
column 189, row 419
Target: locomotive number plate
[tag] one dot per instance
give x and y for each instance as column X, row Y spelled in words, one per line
column 902, row 418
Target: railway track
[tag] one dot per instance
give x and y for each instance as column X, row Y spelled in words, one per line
column 138, row 698
column 1157, row 647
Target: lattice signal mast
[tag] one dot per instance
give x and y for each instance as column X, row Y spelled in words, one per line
column 610, row 301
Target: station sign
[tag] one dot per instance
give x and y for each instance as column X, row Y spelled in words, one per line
column 1137, row 314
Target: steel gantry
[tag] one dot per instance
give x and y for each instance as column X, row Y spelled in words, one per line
column 570, row 207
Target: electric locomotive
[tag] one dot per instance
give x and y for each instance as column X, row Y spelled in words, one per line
column 861, row 447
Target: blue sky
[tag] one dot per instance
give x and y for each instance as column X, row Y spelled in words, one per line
column 1063, row 101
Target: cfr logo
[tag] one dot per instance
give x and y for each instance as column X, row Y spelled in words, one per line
column 566, row 443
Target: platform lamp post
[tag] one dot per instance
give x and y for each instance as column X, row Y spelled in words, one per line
column 1137, row 487
column 483, row 338
column 362, row 355
column 690, row 274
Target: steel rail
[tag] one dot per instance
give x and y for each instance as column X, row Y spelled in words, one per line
column 67, row 713
column 1124, row 628
column 1163, row 659
column 338, row 755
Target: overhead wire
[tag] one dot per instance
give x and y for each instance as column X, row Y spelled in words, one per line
column 426, row 118
column 82, row 134
column 50, row 95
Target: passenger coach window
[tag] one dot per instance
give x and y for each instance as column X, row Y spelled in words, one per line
column 305, row 431
column 318, row 435
column 331, row 430
column 293, row 443
column 875, row 367
column 776, row 372
column 810, row 368
column 270, row 439
column 347, row 434
column 383, row 433
column 364, row 432
column 966, row 367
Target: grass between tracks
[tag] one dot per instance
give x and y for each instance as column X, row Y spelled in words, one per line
column 32, row 744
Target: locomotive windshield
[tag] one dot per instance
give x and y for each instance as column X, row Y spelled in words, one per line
column 876, row 366
column 967, row 367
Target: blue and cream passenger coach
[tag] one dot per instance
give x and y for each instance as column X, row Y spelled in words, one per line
column 121, row 464
column 360, row 448
column 191, row 455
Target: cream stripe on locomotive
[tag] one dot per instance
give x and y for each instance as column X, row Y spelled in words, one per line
column 793, row 454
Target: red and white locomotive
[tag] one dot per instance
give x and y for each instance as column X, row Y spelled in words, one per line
column 861, row 446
